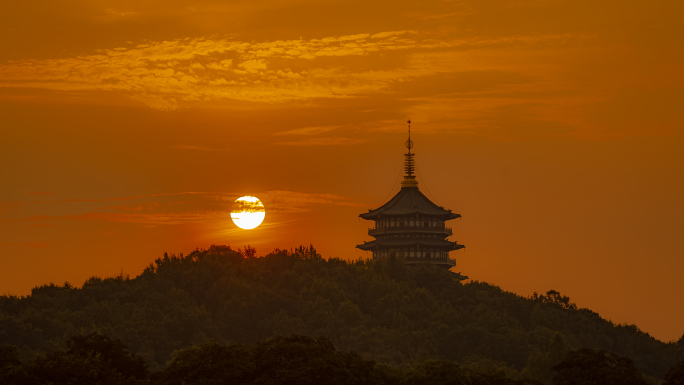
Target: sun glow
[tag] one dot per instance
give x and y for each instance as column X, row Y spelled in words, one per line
column 248, row 212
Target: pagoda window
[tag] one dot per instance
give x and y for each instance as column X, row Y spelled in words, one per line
column 403, row 224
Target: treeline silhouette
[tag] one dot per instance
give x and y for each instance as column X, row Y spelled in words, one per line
column 398, row 316
column 302, row 360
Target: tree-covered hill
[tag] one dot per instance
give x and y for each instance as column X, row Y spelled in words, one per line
column 382, row 310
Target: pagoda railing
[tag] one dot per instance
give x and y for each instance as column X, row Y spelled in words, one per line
column 408, row 229
column 440, row 261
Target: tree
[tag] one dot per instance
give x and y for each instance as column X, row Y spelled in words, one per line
column 72, row 369
column 437, row 373
column 303, row 360
column 111, row 350
column 594, row 367
column 12, row 370
column 211, row 363
column 675, row 376
column 90, row 359
column 282, row 360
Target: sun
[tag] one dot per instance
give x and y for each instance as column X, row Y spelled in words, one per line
column 248, row 212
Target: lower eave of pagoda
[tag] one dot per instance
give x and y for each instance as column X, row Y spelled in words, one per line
column 392, row 244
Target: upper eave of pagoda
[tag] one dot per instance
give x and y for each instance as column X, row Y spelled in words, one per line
column 394, row 242
column 409, row 201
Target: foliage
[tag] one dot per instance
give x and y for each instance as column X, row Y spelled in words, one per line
column 211, row 363
column 554, row 298
column 383, row 310
column 589, row 367
column 12, row 371
column 438, row 373
column 675, row 376
column 90, row 359
column 110, row 350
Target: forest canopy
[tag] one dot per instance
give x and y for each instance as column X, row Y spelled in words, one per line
column 383, row 311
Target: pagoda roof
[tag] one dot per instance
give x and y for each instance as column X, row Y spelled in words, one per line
column 410, row 201
column 458, row 276
column 409, row 241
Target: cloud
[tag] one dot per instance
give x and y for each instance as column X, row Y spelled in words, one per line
column 27, row 245
column 307, row 130
column 171, row 74
column 448, row 81
column 323, row 142
column 292, row 201
column 112, row 12
column 168, row 209
column 198, row 148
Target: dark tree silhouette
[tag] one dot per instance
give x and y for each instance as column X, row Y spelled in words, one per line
column 282, row 360
column 303, row 360
column 437, row 373
column 675, row 376
column 110, row 350
column 12, row 370
column 596, row 367
column 211, row 363
column 90, row 359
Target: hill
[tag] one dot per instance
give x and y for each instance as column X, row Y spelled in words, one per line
column 382, row 310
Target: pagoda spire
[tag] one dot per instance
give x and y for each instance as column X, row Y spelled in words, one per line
column 409, row 166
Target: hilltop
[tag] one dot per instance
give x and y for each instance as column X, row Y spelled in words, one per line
column 382, row 310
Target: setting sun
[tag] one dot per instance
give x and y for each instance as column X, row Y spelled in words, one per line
column 248, row 212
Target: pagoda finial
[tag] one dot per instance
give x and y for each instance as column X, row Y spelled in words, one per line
column 409, row 178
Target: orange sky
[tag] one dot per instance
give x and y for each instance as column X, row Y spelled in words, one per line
column 554, row 127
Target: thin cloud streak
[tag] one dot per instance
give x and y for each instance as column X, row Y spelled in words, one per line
column 27, row 245
column 199, row 148
column 308, row 130
column 204, row 207
column 323, row 142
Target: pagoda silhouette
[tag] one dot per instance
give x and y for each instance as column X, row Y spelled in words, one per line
column 410, row 225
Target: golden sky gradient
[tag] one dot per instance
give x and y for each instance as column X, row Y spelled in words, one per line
column 128, row 128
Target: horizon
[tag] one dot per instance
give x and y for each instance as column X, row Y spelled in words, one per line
column 553, row 128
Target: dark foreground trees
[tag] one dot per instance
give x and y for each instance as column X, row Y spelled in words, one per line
column 89, row 359
column 12, row 370
column 303, row 360
column 675, row 376
column 596, row 367
column 100, row 360
column 282, row 360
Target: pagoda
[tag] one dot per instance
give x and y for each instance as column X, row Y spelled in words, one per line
column 410, row 225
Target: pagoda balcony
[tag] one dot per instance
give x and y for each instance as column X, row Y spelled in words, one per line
column 434, row 261
column 443, row 230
